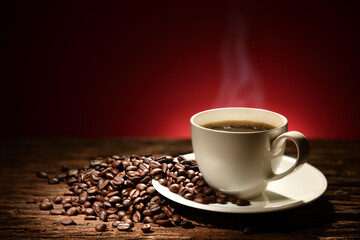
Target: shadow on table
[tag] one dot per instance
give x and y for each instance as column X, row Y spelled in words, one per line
column 312, row 217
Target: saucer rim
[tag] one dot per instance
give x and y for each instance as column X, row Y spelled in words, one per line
column 215, row 207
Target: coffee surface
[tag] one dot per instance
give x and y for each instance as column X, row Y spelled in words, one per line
column 239, row 126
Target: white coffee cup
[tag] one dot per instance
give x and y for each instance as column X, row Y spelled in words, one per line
column 242, row 163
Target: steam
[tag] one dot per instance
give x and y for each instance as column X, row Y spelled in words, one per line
column 240, row 85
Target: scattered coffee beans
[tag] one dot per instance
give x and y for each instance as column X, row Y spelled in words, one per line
column 42, row 175
column 146, row 228
column 123, row 227
column 67, row 221
column 184, row 178
column 101, row 227
column 57, row 199
column 53, row 181
column 45, row 205
column 120, row 189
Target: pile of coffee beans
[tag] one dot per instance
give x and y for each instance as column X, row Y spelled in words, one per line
column 184, row 178
column 119, row 189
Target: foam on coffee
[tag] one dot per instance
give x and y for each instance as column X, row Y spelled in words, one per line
column 239, row 126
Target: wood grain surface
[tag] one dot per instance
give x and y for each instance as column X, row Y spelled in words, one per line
column 335, row 215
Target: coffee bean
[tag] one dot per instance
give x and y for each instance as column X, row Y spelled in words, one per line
column 82, row 197
column 104, row 184
column 195, row 179
column 123, row 227
column 137, row 200
column 155, row 171
column 67, row 206
column 147, row 212
column 207, row 190
column 180, row 179
column 162, row 181
column 189, row 196
column 97, row 207
column 113, row 193
column 118, row 180
column 221, row 200
column 127, row 203
column 111, row 210
column 67, row 221
column 155, row 208
column 174, row 188
column 131, row 168
column 211, row 199
column 131, row 209
column 103, row 216
column 136, row 217
column 72, row 173
column 53, row 181
column 89, row 212
column 90, row 218
column 70, row 181
column 242, row 202
column 160, row 216
column 163, row 222
column 156, row 199
column 121, row 213
column 190, row 173
column 57, row 199
column 109, row 175
column 150, row 190
column 200, row 183
column 146, row 228
column 72, row 211
column 148, row 219
column 113, row 217
column 144, row 166
column 101, row 227
column 115, row 199
column 167, row 211
column 45, row 205
column 134, row 193
column 129, row 221
column 30, row 200
column 116, row 164
column 139, row 206
column 87, row 204
column 200, row 200
column 155, row 165
column 42, row 175
column 115, row 224
column 164, row 167
column 141, row 186
column 57, row 211
column 176, row 218
column 92, row 190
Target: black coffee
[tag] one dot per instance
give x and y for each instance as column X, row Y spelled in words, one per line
column 239, row 126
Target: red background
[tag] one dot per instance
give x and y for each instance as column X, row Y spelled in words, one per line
column 111, row 69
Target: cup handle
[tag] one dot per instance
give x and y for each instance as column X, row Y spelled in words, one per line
column 302, row 145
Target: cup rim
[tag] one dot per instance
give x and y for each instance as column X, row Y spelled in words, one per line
column 242, row 108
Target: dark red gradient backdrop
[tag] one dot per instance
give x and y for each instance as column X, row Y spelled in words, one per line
column 142, row 68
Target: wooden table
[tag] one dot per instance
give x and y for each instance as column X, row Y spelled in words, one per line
column 334, row 215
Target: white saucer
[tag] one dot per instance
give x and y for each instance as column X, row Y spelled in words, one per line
column 298, row 188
